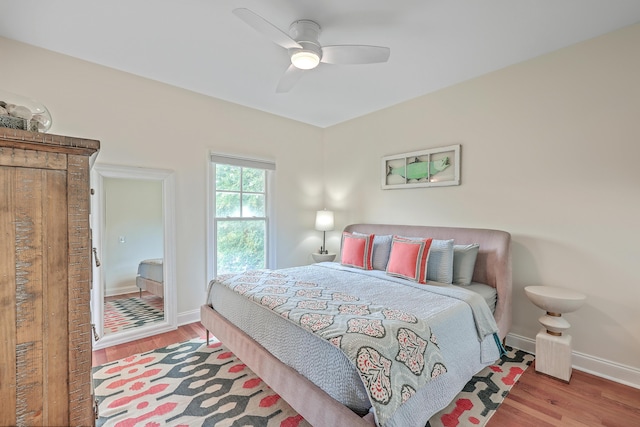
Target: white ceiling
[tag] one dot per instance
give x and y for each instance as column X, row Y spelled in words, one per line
column 201, row 46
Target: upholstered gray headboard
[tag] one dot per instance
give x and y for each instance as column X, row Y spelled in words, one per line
column 493, row 264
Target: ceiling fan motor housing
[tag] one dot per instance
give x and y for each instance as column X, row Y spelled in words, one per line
column 306, row 33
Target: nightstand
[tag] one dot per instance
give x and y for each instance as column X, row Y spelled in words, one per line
column 323, row 257
column 553, row 344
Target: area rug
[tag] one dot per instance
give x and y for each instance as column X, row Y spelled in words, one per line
column 126, row 313
column 187, row 384
column 192, row 384
column 481, row 396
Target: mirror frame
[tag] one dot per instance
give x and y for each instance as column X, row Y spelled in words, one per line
column 99, row 172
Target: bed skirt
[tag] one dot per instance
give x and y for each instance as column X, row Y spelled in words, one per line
column 310, row 401
column 156, row 288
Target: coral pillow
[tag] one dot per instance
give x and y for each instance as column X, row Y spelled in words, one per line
column 408, row 258
column 357, row 251
column 381, row 250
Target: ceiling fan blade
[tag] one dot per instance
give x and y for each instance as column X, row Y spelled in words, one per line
column 266, row 28
column 289, row 79
column 354, row 54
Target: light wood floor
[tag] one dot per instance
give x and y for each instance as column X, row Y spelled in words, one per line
column 135, row 294
column 120, row 351
column 535, row 401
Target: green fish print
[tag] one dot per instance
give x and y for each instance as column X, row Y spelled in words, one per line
column 419, row 169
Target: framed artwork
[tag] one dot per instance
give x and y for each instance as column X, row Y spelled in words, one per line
column 436, row 167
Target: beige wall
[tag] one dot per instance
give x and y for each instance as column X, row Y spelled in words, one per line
column 550, row 152
column 148, row 124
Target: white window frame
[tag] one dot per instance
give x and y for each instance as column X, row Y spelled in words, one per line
column 269, row 167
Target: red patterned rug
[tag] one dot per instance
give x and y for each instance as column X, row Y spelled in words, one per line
column 187, row 384
column 481, row 396
column 192, row 384
column 126, row 313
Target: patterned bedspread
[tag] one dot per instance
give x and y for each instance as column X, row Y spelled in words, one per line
column 394, row 352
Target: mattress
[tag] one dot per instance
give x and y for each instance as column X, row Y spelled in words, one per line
column 452, row 320
column 488, row 293
column 151, row 269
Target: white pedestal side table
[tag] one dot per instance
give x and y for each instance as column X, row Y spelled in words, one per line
column 318, row 257
column 553, row 344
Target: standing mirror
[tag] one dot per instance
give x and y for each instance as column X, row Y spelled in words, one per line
column 132, row 220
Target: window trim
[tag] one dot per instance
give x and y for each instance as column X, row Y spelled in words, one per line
column 269, row 167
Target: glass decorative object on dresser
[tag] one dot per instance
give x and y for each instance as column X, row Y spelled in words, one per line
column 20, row 112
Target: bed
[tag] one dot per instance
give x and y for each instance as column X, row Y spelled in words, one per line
column 150, row 277
column 320, row 382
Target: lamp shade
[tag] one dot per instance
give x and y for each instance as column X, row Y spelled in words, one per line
column 324, row 220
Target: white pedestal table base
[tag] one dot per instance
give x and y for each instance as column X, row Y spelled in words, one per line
column 553, row 355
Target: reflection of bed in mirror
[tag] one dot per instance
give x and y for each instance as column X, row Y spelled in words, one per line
column 150, row 277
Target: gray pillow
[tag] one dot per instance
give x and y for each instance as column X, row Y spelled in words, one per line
column 440, row 262
column 464, row 261
column 381, row 251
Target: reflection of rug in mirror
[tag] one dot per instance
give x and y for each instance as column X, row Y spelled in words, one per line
column 126, row 313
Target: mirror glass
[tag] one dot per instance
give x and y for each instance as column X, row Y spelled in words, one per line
column 132, row 227
column 132, row 257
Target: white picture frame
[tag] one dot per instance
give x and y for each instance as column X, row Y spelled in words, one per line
column 435, row 167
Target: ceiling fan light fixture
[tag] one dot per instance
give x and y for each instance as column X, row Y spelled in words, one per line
column 305, row 59
column 305, row 52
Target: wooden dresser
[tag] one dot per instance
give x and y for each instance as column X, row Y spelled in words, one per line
column 45, row 280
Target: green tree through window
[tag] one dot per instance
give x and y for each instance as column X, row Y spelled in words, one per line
column 240, row 218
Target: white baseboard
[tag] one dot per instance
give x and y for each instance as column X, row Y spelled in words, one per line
column 145, row 331
column 187, row 317
column 132, row 334
column 121, row 291
column 607, row 369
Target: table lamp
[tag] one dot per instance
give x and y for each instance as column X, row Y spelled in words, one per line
column 324, row 223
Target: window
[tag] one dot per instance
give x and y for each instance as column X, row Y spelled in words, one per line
column 239, row 216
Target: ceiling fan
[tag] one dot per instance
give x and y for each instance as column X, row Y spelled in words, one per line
column 305, row 50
